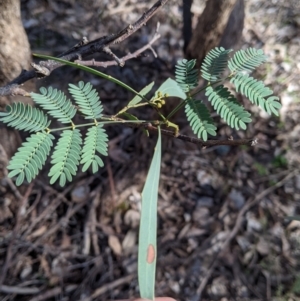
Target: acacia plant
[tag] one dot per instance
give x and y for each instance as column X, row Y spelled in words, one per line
column 71, row 150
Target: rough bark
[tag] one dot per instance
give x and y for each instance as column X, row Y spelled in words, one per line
column 187, row 22
column 214, row 24
column 14, row 56
column 234, row 28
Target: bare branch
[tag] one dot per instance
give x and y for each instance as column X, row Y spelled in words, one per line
column 148, row 126
column 124, row 58
column 13, row 90
column 201, row 143
column 84, row 49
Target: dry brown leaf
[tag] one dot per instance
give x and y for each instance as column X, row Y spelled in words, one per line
column 129, row 241
column 115, row 245
column 132, row 218
column 39, row 232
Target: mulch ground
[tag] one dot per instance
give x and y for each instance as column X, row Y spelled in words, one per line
column 224, row 228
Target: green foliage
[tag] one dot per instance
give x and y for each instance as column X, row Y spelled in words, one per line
column 171, row 88
column 72, row 150
column 66, row 156
column 30, row 157
column 186, row 76
column 257, row 92
column 56, row 103
column 95, row 141
column 137, row 98
column 246, row 60
column 227, row 107
column 68, row 152
column 223, row 102
column 280, row 161
column 25, row 117
column 214, row 64
column 148, row 227
column 199, row 118
column 87, row 99
column 261, row 169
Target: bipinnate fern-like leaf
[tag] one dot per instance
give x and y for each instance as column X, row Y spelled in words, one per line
column 56, row 103
column 227, row 107
column 95, row 141
column 185, row 74
column 257, row 93
column 246, row 60
column 25, row 117
column 30, row 157
column 214, row 64
column 66, row 157
column 87, row 99
column 199, row 118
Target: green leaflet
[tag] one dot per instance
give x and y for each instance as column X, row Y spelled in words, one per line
column 95, row 141
column 66, row 156
column 171, row 88
column 30, row 157
column 87, row 99
column 199, row 118
column 25, row 117
column 246, row 60
column 227, row 107
column 257, row 93
column 56, row 103
column 214, row 64
column 147, row 252
column 137, row 99
column 186, row 76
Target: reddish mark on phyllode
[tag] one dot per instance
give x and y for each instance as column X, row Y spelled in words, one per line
column 150, row 254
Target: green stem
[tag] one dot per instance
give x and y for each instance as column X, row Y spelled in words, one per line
column 103, row 122
column 70, row 127
column 130, row 107
column 193, row 93
column 93, row 71
column 176, row 109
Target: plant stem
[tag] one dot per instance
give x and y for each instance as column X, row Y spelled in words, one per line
column 120, row 121
column 93, row 71
column 192, row 94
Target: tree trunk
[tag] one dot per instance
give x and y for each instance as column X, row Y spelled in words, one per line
column 213, row 24
column 187, row 22
column 14, row 56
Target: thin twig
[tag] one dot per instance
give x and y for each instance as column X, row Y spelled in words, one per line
column 148, row 126
column 111, row 183
column 63, row 222
column 124, row 58
column 48, row 294
column 13, row 187
column 60, row 196
column 109, row 286
column 9, row 252
column 19, row 290
column 87, row 236
column 93, row 223
column 249, row 204
column 44, row 68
